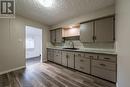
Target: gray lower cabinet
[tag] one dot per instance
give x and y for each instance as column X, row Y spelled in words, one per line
column 100, row 65
column 71, row 59
column 50, row 54
column 82, row 63
column 104, row 67
column 64, row 58
column 68, row 59
column 57, row 56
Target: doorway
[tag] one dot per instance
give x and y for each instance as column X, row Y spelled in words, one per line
column 33, row 45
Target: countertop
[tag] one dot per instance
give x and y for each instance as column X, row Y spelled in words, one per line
column 88, row 50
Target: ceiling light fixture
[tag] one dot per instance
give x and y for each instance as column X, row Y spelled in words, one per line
column 71, row 26
column 46, row 3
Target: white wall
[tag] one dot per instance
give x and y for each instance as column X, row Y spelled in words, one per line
column 123, row 42
column 36, row 35
column 12, row 42
column 89, row 16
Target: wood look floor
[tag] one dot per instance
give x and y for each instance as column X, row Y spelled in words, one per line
column 33, row 60
column 50, row 75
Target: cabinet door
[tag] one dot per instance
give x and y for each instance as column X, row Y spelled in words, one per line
column 104, row 30
column 57, row 56
column 50, row 55
column 71, row 59
column 82, row 63
column 103, row 69
column 53, row 36
column 86, row 32
column 58, row 35
column 64, row 58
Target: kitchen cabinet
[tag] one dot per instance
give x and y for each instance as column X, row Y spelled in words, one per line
column 104, row 30
column 100, row 65
column 86, row 32
column 56, row 35
column 64, row 58
column 104, row 67
column 50, row 55
column 71, row 59
column 98, row 30
column 82, row 63
column 68, row 59
column 57, row 56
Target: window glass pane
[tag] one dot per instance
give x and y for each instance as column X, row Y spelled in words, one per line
column 29, row 43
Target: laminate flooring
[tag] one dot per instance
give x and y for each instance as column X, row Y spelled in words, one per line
column 50, row 75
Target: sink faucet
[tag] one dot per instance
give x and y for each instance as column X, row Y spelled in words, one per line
column 72, row 44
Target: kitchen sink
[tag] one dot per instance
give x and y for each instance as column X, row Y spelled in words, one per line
column 71, row 48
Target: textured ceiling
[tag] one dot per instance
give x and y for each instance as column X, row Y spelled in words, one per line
column 60, row 11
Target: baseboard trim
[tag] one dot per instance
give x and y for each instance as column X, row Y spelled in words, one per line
column 4, row 72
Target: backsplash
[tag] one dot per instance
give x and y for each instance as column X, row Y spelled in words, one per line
column 78, row 44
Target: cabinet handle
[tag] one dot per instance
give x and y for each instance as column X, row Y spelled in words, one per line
column 81, row 67
column 91, row 56
column 106, row 58
column 81, row 60
column 67, row 56
column 103, row 65
column 79, row 54
column 94, row 37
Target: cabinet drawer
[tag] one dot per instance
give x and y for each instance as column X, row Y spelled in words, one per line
column 57, row 51
column 50, row 55
column 64, row 58
column 104, row 65
column 82, row 64
column 79, row 54
column 110, row 58
column 92, row 56
column 105, row 74
column 57, row 56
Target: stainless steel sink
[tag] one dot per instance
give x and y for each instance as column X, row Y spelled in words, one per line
column 71, row 48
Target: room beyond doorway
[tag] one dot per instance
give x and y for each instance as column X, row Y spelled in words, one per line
column 33, row 45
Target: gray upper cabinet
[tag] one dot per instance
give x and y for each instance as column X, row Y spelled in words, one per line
column 53, row 36
column 98, row 30
column 86, row 32
column 56, row 35
column 104, row 30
